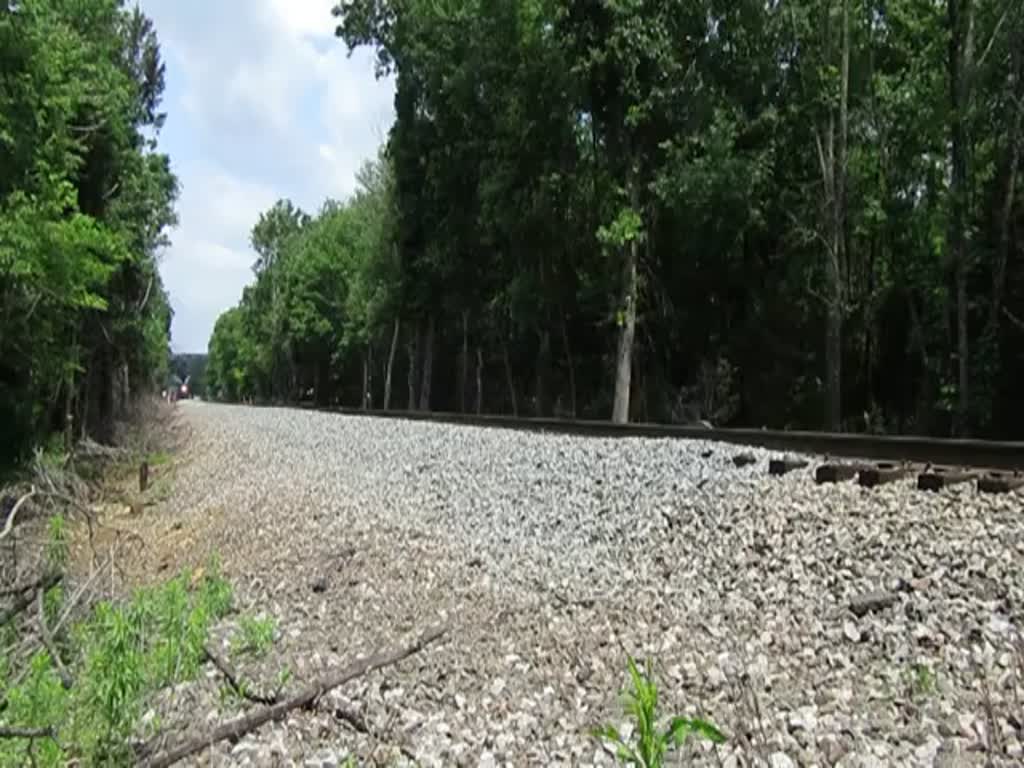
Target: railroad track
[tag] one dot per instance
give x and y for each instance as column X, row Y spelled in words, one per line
column 871, row 460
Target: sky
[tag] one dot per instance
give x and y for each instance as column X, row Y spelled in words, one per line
column 263, row 103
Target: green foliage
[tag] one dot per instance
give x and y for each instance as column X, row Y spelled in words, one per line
column 651, row 742
column 255, row 635
column 57, row 545
column 627, row 227
column 84, row 203
column 118, row 656
column 158, row 459
column 320, row 294
column 535, row 141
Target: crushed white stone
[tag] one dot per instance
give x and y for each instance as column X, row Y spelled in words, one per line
column 552, row 557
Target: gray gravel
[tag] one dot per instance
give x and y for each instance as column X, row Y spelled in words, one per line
column 552, row 557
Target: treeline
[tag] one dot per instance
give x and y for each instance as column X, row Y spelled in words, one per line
column 796, row 213
column 84, row 203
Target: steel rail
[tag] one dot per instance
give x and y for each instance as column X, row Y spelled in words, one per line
column 982, row 454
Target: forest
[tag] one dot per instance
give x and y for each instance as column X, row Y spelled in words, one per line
column 803, row 213
column 85, row 204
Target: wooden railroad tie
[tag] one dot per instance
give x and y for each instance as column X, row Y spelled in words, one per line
column 880, row 474
column 836, row 473
column 784, row 465
column 937, row 478
column 1000, row 482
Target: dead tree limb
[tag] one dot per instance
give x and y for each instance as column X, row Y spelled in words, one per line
column 72, row 603
column 19, row 589
column 9, row 525
column 44, row 632
column 236, row 685
column 24, row 600
column 237, row 728
column 26, row 733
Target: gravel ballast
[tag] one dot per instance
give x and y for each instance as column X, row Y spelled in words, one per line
column 816, row 625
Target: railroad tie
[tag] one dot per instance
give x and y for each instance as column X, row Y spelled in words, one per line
column 1000, row 482
column 937, row 478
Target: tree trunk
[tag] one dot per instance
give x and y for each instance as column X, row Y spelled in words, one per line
column 464, row 373
column 69, row 398
column 366, row 382
column 835, row 183
column 509, row 379
column 1016, row 94
column 428, row 366
column 479, row 381
column 543, row 366
column 83, row 405
column 69, row 411
column 369, row 374
column 391, row 364
column 627, row 318
column 413, row 349
column 570, row 365
column 961, row 57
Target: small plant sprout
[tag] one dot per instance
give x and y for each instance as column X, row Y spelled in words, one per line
column 256, row 635
column 651, row 743
column 921, row 680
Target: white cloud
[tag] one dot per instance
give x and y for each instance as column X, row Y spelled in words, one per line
column 263, row 103
column 311, row 19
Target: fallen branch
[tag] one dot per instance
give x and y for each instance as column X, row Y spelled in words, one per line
column 70, row 604
column 19, row 589
column 237, row 728
column 44, row 631
column 89, row 447
column 233, row 681
column 25, row 600
column 26, row 733
column 14, row 512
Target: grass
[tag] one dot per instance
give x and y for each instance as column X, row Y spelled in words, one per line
column 158, row 458
column 255, row 636
column 117, row 656
column 651, row 743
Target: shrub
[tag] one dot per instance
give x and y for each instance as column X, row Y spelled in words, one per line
column 118, row 655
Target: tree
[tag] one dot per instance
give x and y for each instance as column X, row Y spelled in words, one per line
column 84, row 205
column 686, row 196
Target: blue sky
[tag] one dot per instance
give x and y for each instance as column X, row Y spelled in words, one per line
column 262, row 102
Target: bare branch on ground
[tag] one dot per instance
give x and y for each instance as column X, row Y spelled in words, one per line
column 236, row 685
column 237, row 728
column 44, row 631
column 9, row 525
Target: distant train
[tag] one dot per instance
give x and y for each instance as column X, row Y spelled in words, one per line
column 178, row 389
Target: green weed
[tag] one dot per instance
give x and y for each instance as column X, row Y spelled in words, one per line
column 255, row 635
column 158, row 458
column 921, row 680
column 57, row 546
column 53, row 452
column 118, row 656
column 651, row 743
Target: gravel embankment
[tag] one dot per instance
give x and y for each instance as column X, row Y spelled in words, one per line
column 551, row 557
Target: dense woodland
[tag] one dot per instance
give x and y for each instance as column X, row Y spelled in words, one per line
column 84, row 203
column 802, row 213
